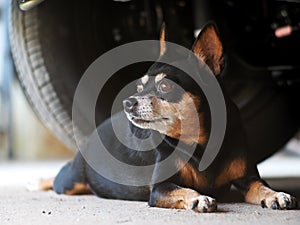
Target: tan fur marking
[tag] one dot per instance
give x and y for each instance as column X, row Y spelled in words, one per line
column 189, row 125
column 208, row 48
column 79, row 189
column 159, row 77
column 257, row 192
column 162, row 41
column 234, row 170
column 46, row 184
column 145, row 79
column 177, row 199
column 140, row 88
column 192, row 178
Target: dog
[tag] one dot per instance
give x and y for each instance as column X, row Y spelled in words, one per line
column 167, row 102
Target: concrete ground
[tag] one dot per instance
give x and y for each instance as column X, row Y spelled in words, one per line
column 20, row 206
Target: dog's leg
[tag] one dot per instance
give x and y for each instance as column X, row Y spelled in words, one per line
column 256, row 191
column 259, row 193
column 40, row 185
column 71, row 179
column 169, row 195
column 46, row 184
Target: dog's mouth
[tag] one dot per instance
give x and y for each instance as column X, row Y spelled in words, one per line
column 148, row 121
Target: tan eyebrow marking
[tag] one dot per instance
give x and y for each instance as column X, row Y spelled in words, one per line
column 140, row 88
column 159, row 77
column 145, row 79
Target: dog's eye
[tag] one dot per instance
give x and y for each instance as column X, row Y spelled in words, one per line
column 164, row 86
column 139, row 88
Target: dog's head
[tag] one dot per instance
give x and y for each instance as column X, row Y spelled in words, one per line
column 168, row 100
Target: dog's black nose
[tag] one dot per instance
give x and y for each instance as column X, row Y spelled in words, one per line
column 129, row 103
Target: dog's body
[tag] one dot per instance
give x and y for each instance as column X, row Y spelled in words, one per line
column 182, row 114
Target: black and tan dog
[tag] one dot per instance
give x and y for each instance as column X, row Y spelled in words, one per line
column 165, row 102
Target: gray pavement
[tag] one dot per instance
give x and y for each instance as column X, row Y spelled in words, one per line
column 19, row 206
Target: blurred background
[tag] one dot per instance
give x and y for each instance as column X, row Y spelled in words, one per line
column 25, row 140
column 22, row 135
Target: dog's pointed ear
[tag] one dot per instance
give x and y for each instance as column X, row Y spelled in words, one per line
column 162, row 40
column 208, row 47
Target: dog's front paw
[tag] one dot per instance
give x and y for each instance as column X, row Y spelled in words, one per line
column 280, row 200
column 204, row 203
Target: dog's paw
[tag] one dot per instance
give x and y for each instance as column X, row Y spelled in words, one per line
column 204, row 203
column 280, row 200
column 33, row 185
column 40, row 185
